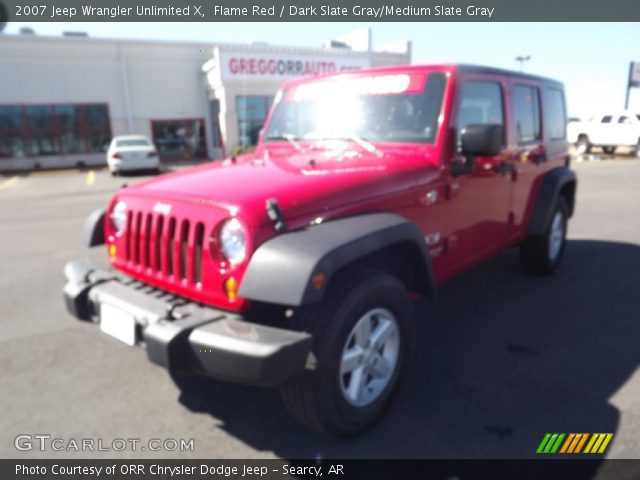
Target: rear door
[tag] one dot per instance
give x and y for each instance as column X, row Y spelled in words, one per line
column 478, row 207
column 528, row 152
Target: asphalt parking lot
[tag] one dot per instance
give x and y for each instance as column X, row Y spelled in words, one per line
column 502, row 358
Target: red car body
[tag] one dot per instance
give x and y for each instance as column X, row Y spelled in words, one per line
column 172, row 222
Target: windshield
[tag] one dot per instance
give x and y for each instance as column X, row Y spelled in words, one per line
column 391, row 107
column 133, row 142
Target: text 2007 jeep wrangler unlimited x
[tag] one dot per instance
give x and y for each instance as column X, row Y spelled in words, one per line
column 296, row 265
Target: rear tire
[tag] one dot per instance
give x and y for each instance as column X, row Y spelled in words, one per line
column 363, row 335
column 583, row 146
column 542, row 254
column 638, row 148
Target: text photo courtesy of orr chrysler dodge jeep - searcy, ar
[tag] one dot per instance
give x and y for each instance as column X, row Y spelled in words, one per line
column 296, row 265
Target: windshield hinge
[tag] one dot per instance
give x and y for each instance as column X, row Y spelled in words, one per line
column 275, row 215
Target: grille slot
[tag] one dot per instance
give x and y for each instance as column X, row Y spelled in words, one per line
column 159, row 244
column 146, row 242
column 197, row 254
column 170, row 245
column 137, row 239
column 184, row 248
column 129, row 236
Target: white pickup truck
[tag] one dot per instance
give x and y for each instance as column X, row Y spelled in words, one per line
column 607, row 131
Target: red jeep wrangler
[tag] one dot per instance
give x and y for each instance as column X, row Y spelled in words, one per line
column 296, row 265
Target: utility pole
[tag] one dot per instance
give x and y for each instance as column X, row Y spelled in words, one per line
column 632, row 81
column 522, row 59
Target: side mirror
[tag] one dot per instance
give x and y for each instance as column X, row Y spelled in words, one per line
column 482, row 140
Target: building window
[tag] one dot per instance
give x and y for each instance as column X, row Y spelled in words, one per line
column 252, row 113
column 179, row 139
column 40, row 130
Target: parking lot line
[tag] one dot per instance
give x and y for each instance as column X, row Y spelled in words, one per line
column 91, row 177
column 8, row 183
column 57, row 171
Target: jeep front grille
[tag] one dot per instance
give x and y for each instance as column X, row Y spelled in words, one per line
column 171, row 246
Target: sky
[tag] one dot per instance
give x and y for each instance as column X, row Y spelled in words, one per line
column 592, row 59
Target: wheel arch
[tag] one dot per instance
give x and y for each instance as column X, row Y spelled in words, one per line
column 281, row 270
column 559, row 182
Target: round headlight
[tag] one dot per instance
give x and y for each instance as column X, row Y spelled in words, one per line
column 233, row 241
column 119, row 216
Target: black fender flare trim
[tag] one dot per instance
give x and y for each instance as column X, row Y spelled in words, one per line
column 281, row 269
column 554, row 181
column 94, row 228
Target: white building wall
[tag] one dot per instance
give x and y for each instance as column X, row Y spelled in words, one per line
column 164, row 82
column 141, row 81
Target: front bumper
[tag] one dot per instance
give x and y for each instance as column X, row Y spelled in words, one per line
column 185, row 337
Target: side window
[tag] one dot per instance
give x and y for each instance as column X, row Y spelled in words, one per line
column 480, row 103
column 526, row 106
column 555, row 114
column 606, row 119
column 624, row 119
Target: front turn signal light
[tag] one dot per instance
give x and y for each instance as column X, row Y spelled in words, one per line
column 231, row 288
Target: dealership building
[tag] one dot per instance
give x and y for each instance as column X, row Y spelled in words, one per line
column 63, row 98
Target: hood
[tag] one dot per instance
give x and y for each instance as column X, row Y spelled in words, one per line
column 305, row 179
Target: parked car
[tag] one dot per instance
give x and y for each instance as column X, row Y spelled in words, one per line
column 296, row 265
column 132, row 152
column 608, row 131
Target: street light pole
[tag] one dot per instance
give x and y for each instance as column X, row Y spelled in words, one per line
column 522, row 59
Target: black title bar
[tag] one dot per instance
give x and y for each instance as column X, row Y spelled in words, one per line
column 321, row 11
column 543, row 469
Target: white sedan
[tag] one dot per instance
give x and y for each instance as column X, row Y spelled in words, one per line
column 132, row 152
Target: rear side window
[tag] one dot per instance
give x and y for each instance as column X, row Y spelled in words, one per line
column 555, row 114
column 526, row 105
column 480, row 103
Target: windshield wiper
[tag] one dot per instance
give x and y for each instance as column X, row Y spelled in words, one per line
column 369, row 147
column 288, row 137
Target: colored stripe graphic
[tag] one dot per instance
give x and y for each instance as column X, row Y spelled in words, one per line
column 550, row 443
column 598, row 442
column 593, row 439
column 543, row 443
column 581, row 443
column 567, row 443
column 555, row 443
column 605, row 443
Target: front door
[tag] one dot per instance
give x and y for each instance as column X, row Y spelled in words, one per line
column 479, row 200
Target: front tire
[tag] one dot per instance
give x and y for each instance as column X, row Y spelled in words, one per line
column 609, row 150
column 583, row 146
column 542, row 254
column 363, row 335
